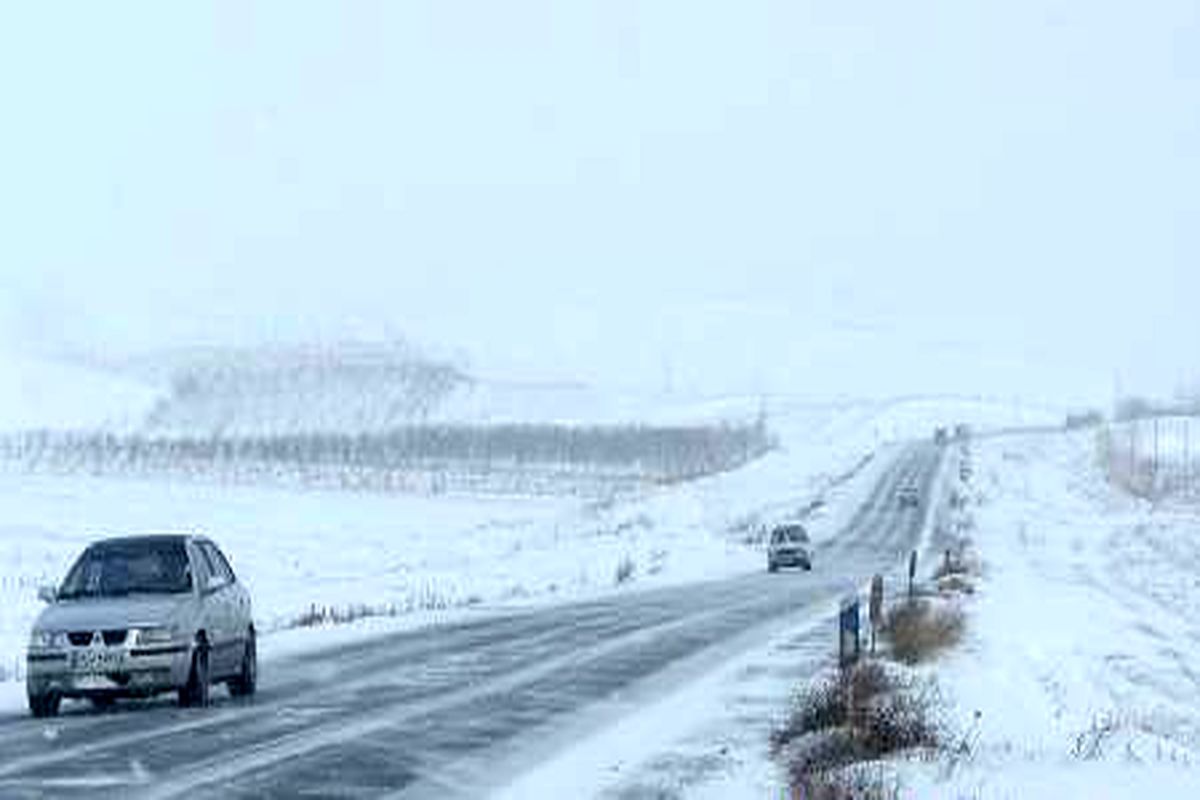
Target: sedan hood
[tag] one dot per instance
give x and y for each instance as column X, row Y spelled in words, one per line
column 93, row 614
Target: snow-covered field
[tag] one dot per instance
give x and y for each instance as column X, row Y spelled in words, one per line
column 426, row 557
column 1081, row 671
column 1078, row 678
column 404, row 553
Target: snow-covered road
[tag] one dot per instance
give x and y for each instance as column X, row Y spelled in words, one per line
column 457, row 709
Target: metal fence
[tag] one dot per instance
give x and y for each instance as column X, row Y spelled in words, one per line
column 1157, row 457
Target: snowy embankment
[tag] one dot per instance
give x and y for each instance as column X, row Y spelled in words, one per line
column 325, row 555
column 1079, row 676
column 346, row 553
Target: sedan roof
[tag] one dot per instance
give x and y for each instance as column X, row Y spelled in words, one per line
column 147, row 539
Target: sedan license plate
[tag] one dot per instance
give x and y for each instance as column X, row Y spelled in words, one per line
column 97, row 662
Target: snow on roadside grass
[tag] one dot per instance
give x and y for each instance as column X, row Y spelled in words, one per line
column 306, row 552
column 1083, row 647
column 303, row 553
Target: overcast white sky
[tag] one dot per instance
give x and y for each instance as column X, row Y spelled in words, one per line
column 868, row 196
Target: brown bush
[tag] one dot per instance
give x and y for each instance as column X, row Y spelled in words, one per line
column 316, row 615
column 833, row 701
column 852, row 783
column 860, row 714
column 955, row 584
column 900, row 719
column 920, row 629
column 820, row 707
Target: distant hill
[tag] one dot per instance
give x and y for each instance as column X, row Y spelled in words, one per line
column 41, row 392
column 385, row 417
column 352, row 388
column 343, row 388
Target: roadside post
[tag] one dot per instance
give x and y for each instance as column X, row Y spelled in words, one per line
column 912, row 573
column 875, row 611
column 848, row 640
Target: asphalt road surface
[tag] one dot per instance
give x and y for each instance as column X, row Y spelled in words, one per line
column 452, row 710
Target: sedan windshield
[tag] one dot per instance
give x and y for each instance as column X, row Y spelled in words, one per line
column 114, row 569
column 790, row 535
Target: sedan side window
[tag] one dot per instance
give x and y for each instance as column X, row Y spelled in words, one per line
column 213, row 579
column 203, row 573
column 220, row 562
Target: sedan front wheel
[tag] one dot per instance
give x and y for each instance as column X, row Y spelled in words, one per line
column 194, row 693
column 44, row 705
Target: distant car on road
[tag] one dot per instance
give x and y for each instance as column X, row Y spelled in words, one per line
column 788, row 546
column 909, row 496
column 141, row 615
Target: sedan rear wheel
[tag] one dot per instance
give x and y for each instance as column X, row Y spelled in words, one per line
column 247, row 680
column 103, row 702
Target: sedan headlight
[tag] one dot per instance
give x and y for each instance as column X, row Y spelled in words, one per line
column 48, row 639
column 153, row 636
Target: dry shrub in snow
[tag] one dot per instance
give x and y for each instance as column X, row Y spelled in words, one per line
column 858, row 782
column 820, row 706
column 428, row 599
column 854, row 716
column 955, row 584
column 920, row 629
column 317, row 616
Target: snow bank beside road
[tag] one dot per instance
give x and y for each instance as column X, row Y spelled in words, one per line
column 403, row 553
column 1084, row 645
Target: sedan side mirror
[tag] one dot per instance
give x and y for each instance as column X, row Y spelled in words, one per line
column 47, row 594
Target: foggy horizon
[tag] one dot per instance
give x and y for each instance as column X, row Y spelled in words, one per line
column 600, row 399
column 789, row 198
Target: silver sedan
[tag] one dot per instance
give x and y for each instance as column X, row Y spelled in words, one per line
column 137, row 616
column 788, row 546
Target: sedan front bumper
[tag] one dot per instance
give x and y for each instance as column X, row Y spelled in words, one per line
column 791, row 558
column 90, row 672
